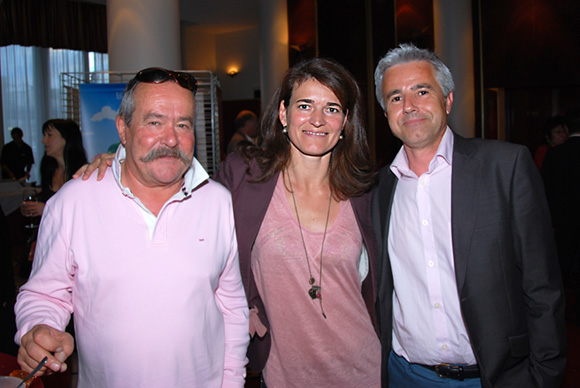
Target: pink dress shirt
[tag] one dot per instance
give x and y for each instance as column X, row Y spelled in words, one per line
column 160, row 310
column 428, row 326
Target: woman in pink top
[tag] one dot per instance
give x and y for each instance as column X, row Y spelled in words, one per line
column 307, row 252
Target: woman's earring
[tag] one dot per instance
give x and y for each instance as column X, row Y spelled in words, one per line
column 284, row 129
column 341, row 135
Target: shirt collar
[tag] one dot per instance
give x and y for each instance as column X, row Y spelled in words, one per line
column 444, row 154
column 195, row 175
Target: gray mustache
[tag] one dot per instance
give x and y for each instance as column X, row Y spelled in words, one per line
column 167, row 152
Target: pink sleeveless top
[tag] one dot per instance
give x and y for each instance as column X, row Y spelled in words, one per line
column 308, row 350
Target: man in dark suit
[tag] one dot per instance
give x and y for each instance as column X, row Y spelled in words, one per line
column 469, row 288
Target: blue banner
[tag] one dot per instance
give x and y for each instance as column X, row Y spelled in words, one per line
column 99, row 106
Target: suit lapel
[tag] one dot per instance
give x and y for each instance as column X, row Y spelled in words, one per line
column 383, row 201
column 464, row 189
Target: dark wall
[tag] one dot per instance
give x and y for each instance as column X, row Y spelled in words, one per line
column 357, row 34
column 531, row 50
column 530, row 43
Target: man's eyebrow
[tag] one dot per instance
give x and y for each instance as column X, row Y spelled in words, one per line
column 422, row 86
column 189, row 119
column 392, row 93
column 413, row 88
column 153, row 115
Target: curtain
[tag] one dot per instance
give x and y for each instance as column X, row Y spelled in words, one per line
column 54, row 23
column 32, row 92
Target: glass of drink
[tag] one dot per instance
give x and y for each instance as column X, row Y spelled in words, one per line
column 30, row 195
column 9, row 382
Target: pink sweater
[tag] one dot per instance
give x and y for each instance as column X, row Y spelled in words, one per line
column 161, row 311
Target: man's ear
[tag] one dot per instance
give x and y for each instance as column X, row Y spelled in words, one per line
column 121, row 129
column 448, row 102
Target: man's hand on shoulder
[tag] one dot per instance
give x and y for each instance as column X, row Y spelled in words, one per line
column 100, row 162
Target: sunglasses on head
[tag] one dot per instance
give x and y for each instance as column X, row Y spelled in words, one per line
column 157, row 75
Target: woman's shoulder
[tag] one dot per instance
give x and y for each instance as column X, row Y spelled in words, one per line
column 235, row 171
column 235, row 161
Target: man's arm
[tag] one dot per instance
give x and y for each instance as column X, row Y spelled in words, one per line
column 27, row 171
column 4, row 160
column 541, row 280
column 8, row 172
column 44, row 303
column 231, row 299
column 29, row 163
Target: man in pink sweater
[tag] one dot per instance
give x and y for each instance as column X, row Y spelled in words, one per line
column 146, row 260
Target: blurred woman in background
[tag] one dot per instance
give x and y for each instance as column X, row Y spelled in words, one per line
column 64, row 154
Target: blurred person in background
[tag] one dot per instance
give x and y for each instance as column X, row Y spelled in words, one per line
column 17, row 158
column 246, row 130
column 561, row 174
column 555, row 133
column 64, row 154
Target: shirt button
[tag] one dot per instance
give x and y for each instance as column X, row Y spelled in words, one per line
column 425, row 222
column 437, row 305
column 431, row 263
column 444, row 347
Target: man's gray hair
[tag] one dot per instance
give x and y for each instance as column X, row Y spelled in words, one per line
column 127, row 106
column 406, row 53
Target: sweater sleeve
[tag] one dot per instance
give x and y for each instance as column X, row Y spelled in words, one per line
column 231, row 299
column 47, row 296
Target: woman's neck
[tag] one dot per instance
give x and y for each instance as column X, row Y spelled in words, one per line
column 58, row 179
column 60, row 163
column 310, row 171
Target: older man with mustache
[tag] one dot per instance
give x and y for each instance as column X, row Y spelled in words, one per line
column 146, row 260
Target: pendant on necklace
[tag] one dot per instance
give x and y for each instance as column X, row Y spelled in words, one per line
column 314, row 292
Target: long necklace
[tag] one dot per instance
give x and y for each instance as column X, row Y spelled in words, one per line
column 315, row 291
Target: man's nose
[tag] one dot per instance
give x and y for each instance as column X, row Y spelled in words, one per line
column 409, row 105
column 169, row 136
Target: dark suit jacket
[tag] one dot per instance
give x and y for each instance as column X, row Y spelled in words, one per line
column 506, row 269
column 251, row 201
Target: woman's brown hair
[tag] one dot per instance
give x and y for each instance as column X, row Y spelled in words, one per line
column 350, row 172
